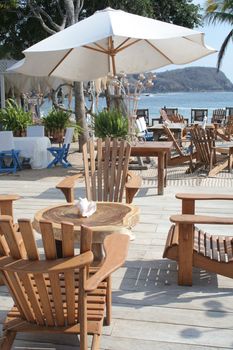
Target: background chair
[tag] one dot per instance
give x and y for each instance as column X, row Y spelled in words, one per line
column 35, row 130
column 219, row 116
column 142, row 128
column 182, row 154
column 198, row 114
column 106, row 173
column 208, row 156
column 192, row 247
column 9, row 157
column 61, row 153
column 145, row 114
column 56, row 295
column 229, row 111
column 170, row 111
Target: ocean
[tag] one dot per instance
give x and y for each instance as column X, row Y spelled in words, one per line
column 184, row 101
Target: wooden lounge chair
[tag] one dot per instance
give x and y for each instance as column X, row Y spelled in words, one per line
column 182, row 154
column 208, row 156
column 192, row 247
column 106, row 173
column 56, row 295
column 225, row 133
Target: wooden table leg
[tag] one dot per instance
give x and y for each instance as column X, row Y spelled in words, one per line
column 161, row 173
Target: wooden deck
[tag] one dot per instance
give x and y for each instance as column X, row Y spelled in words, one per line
column 150, row 311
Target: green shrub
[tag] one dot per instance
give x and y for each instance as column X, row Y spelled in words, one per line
column 56, row 120
column 14, row 118
column 110, row 124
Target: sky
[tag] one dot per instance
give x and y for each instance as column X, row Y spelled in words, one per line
column 214, row 37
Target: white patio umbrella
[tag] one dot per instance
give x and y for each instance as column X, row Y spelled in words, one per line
column 112, row 41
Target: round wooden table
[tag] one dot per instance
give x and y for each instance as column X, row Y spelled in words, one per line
column 108, row 218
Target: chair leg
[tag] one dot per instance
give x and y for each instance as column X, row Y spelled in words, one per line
column 108, row 302
column 7, row 340
column 95, row 345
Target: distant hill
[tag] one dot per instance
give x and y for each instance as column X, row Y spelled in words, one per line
column 192, row 79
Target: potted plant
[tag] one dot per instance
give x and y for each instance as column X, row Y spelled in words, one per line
column 55, row 123
column 110, row 123
column 14, row 118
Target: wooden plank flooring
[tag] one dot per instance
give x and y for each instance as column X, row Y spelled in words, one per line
column 150, row 311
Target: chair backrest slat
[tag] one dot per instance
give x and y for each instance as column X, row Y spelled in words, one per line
column 67, row 239
column 99, row 168
column 48, row 240
column 119, row 169
column 68, row 251
column 26, row 230
column 92, row 169
column 107, row 162
column 114, row 156
column 86, row 171
column 124, row 170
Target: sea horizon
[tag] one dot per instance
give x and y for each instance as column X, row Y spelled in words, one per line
column 184, row 101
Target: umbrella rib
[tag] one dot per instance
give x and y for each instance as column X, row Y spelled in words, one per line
column 101, row 49
column 61, row 60
column 119, row 48
column 155, row 48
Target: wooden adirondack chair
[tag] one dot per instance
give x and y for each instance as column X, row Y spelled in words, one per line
column 192, row 247
column 182, row 155
column 106, row 173
column 225, row 133
column 6, row 208
column 56, row 295
column 208, row 156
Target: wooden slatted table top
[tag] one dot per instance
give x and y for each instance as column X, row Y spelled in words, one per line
column 108, row 218
column 151, row 148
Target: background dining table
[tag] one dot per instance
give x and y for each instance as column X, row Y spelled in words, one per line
column 35, row 149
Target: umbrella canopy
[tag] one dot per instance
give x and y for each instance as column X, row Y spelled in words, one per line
column 112, row 41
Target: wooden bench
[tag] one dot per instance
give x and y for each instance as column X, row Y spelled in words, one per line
column 192, row 247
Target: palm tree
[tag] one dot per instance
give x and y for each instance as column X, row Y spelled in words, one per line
column 220, row 11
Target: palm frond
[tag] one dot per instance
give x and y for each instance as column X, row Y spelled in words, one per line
column 219, row 17
column 223, row 48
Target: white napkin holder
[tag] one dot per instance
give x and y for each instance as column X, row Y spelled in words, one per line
column 86, row 208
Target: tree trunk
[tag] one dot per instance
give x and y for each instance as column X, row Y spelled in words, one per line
column 80, row 114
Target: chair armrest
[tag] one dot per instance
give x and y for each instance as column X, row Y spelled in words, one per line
column 200, row 196
column 200, row 219
column 132, row 185
column 133, row 180
column 46, row 266
column 67, row 186
column 116, row 249
column 9, row 197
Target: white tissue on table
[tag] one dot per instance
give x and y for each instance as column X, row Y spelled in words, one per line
column 86, row 208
